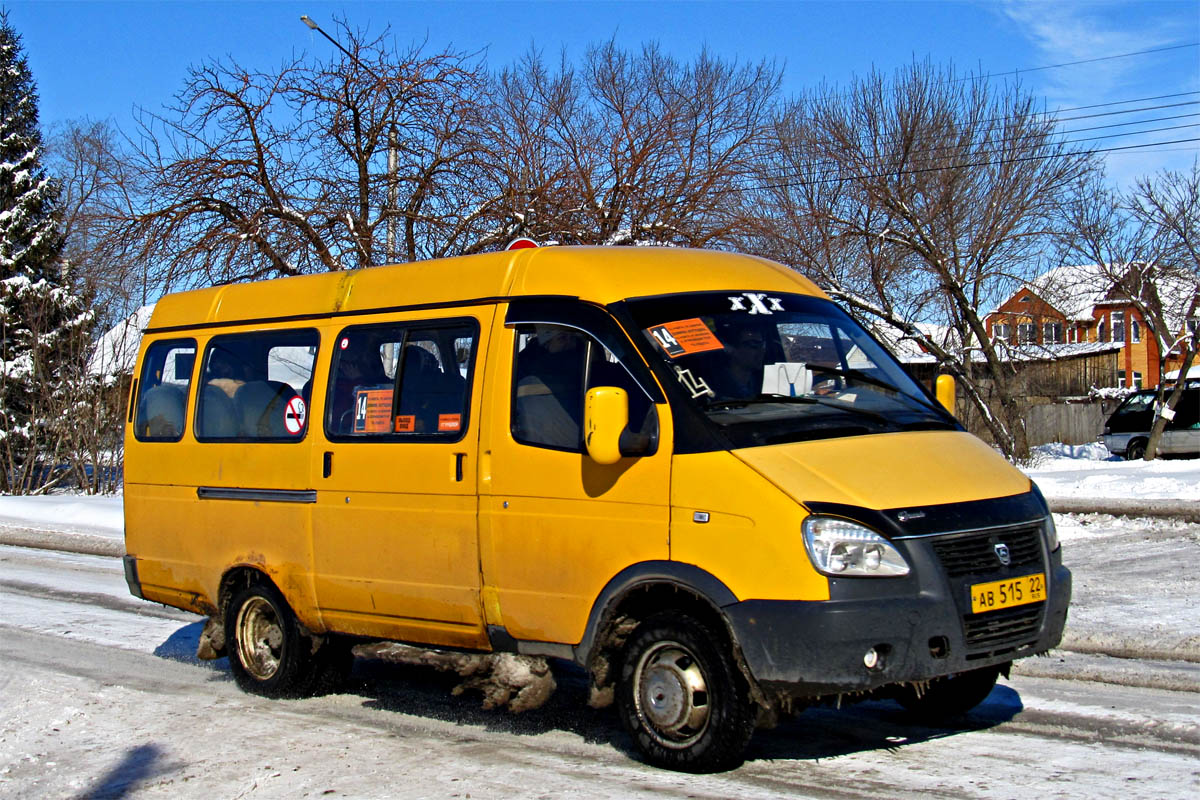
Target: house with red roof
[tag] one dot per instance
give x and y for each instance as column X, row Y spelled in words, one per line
column 1079, row 305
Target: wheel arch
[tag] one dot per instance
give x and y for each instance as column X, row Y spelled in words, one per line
column 239, row 577
column 639, row 591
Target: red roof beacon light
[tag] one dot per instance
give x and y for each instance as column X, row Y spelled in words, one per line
column 521, row 244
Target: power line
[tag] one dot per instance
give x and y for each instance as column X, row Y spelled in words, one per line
column 993, row 122
column 1135, row 122
column 1128, row 111
column 1121, row 102
column 1086, row 61
column 989, row 140
column 986, row 163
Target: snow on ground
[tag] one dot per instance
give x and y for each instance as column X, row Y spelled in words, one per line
column 99, row 515
column 1089, row 470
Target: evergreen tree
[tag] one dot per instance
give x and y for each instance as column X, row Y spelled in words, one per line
column 44, row 328
column 30, row 240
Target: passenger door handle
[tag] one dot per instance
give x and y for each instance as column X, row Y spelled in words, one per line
column 327, row 467
column 458, row 466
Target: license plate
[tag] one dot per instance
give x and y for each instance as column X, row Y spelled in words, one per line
column 1008, row 593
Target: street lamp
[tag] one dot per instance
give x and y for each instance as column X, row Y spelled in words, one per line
column 393, row 162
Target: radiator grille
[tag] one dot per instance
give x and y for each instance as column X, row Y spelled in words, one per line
column 974, row 553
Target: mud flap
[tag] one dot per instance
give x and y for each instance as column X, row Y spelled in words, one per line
column 212, row 640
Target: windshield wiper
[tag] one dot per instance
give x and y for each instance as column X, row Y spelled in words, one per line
column 802, row 399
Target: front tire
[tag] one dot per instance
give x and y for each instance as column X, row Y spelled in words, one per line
column 953, row 696
column 268, row 654
column 682, row 698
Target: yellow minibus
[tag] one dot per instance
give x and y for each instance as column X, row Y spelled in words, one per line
column 688, row 472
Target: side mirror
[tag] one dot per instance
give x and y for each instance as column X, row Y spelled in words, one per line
column 946, row 391
column 605, row 415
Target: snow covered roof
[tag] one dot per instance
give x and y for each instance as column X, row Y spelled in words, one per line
column 1076, row 289
column 1073, row 290
column 1176, row 293
column 906, row 350
column 1193, row 373
column 116, row 351
column 1050, row 352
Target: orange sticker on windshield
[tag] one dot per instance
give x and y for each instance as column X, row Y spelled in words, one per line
column 406, row 423
column 449, row 422
column 684, row 337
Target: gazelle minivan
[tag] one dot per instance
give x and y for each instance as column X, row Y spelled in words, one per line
column 689, row 472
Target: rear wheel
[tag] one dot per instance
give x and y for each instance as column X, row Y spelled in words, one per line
column 952, row 696
column 268, row 653
column 682, row 698
column 1136, row 450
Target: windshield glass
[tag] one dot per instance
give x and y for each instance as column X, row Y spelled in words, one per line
column 767, row 368
column 1136, row 403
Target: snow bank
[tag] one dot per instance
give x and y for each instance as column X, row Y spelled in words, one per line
column 1089, row 470
column 99, row 515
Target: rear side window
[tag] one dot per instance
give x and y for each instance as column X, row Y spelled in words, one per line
column 163, row 391
column 401, row 382
column 256, row 386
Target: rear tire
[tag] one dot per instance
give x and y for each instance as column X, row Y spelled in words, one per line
column 953, row 696
column 682, row 698
column 1136, row 450
column 268, row 654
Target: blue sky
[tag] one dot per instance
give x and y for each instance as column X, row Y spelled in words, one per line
column 101, row 59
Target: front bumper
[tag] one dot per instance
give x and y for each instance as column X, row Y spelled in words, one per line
column 805, row 649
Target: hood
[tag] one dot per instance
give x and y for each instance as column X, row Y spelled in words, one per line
column 889, row 470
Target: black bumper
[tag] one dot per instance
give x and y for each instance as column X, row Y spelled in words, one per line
column 131, row 576
column 808, row 649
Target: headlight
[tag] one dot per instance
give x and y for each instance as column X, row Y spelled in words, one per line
column 839, row 547
column 1051, row 534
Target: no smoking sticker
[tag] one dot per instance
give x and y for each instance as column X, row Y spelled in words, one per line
column 294, row 415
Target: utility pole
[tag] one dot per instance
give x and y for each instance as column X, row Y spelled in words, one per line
column 393, row 159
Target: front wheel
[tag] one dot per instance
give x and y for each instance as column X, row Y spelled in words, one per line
column 682, row 698
column 268, row 654
column 1136, row 450
column 944, row 698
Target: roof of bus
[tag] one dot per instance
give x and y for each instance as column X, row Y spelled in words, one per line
column 598, row 274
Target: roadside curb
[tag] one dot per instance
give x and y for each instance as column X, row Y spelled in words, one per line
column 1185, row 510
column 90, row 544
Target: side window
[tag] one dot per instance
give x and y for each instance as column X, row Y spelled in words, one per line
column 429, row 365
column 256, row 386
column 554, row 367
column 163, row 391
column 548, row 380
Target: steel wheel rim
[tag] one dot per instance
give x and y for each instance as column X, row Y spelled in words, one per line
column 671, row 696
column 259, row 638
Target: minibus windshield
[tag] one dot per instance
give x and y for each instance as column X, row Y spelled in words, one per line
column 766, row 368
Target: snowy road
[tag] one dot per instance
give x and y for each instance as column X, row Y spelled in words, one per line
column 100, row 696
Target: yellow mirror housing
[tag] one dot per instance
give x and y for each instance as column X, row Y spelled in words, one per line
column 945, row 391
column 606, row 414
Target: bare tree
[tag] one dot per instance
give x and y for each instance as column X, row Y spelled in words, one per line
column 1170, row 203
column 266, row 174
column 99, row 191
column 627, row 148
column 1144, row 244
column 943, row 191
